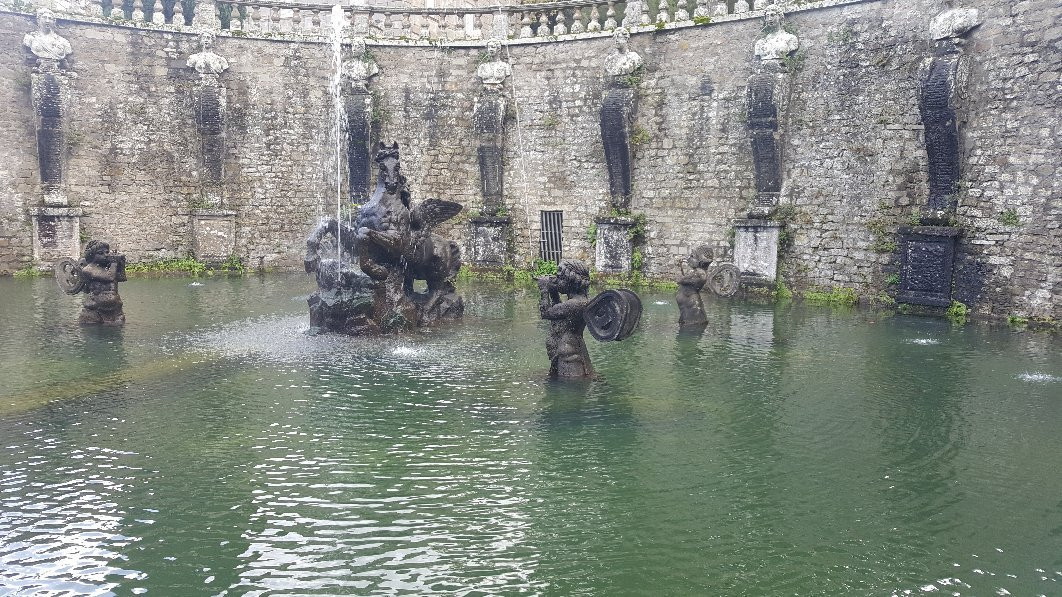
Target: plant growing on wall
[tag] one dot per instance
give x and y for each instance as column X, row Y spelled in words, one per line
column 639, row 136
column 1009, row 218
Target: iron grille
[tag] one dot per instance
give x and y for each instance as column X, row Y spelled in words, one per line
column 549, row 244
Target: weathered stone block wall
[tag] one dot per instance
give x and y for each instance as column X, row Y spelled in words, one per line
column 133, row 150
column 853, row 157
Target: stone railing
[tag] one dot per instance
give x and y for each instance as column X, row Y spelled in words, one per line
column 565, row 19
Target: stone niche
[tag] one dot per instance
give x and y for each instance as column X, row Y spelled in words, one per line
column 756, row 250
column 613, row 248
column 213, row 234
column 927, row 256
column 56, row 234
column 490, row 240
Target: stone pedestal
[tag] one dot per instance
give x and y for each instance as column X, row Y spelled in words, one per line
column 490, row 247
column 613, row 246
column 213, row 234
column 56, row 234
column 756, row 250
column 927, row 256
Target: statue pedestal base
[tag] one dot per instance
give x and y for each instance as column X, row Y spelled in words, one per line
column 613, row 249
column 927, row 255
column 213, row 234
column 490, row 240
column 756, row 250
column 56, row 234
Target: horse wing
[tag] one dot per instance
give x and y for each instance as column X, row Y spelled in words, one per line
column 432, row 212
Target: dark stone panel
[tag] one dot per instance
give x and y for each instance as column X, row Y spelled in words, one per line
column 359, row 140
column 211, row 115
column 213, row 158
column 47, row 227
column 941, row 133
column 50, row 151
column 926, row 261
column 488, row 117
column 490, row 174
column 765, row 162
column 50, row 96
column 615, row 118
column 763, row 126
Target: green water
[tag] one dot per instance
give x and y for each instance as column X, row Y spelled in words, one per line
column 210, row 447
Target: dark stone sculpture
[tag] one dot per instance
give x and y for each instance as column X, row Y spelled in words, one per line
column 97, row 275
column 944, row 76
column 611, row 316
column 565, row 345
column 343, row 301
column 688, row 296
column 927, row 253
column 488, row 117
column 393, row 246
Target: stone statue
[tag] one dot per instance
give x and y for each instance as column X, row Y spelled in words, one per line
column 944, row 76
column 778, row 43
column 393, row 245
column 97, row 275
column 210, row 117
column 50, row 89
column 953, row 23
column 358, row 101
column 617, row 117
column 205, row 61
column 360, row 67
column 610, row 316
column 343, row 300
column 489, row 246
column 565, row 346
column 688, row 296
column 48, row 46
column 927, row 252
column 622, row 61
column 494, row 71
column 766, row 95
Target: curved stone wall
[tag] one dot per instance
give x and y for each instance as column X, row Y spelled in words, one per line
column 852, row 153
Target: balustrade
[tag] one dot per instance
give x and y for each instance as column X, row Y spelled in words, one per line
column 547, row 20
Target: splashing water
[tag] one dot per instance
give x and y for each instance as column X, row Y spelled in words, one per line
column 923, row 341
column 1039, row 377
column 338, row 124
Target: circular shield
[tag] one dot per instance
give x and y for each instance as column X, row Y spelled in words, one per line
column 613, row 314
column 724, row 279
column 68, row 275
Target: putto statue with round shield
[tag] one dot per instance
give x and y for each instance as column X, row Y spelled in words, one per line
column 97, row 275
column 611, row 316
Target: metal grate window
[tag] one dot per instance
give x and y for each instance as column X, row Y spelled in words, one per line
column 549, row 244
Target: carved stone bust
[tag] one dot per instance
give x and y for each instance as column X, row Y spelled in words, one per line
column 953, row 23
column 206, row 62
column 361, row 67
column 622, row 60
column 48, row 46
column 494, row 72
column 779, row 43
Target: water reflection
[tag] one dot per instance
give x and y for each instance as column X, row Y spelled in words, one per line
column 795, row 450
